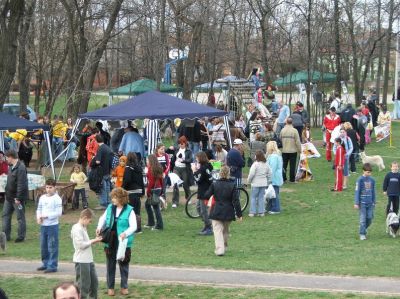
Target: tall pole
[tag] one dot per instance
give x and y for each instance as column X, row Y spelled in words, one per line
column 397, row 69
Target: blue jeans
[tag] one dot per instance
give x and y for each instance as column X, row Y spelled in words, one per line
column 366, row 216
column 194, row 147
column 58, row 146
column 396, row 111
column 346, row 166
column 157, row 212
column 275, row 202
column 257, row 203
column 104, row 195
column 49, row 246
column 274, row 107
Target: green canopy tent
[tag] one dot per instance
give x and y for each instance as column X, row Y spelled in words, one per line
column 141, row 86
column 302, row 77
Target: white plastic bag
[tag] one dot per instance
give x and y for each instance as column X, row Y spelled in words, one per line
column 121, row 249
column 270, row 192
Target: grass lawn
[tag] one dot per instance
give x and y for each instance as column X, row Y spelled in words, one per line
column 317, row 232
column 12, row 286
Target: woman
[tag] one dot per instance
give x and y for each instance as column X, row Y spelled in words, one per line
column 274, row 161
column 384, row 116
column 259, row 178
column 352, row 134
column 154, row 185
column 182, row 160
column 223, row 211
column 25, row 151
column 269, row 133
column 254, row 126
column 165, row 162
column 122, row 219
column 218, row 133
column 202, row 170
column 133, row 183
column 256, row 145
column 220, row 154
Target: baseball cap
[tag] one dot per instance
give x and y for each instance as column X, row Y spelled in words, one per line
column 237, row 141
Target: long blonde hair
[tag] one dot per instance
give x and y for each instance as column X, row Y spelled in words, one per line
column 272, row 148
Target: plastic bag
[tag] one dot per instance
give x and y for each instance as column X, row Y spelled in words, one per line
column 270, row 192
column 122, row 244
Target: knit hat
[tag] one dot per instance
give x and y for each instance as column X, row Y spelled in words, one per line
column 123, row 159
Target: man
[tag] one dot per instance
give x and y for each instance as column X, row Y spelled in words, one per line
column 191, row 130
column 303, row 112
column 331, row 121
column 337, row 102
column 235, row 161
column 284, row 113
column 16, row 195
column 360, row 127
column 66, row 290
column 103, row 160
column 347, row 114
column 132, row 142
column 291, row 145
column 58, row 130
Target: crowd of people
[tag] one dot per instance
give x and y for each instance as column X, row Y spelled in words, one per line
column 118, row 167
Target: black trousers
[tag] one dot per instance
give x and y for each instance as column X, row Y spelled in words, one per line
column 289, row 157
column 393, row 204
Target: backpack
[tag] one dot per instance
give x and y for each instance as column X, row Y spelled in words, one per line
column 95, row 179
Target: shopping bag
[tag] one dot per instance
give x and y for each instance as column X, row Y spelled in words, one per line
column 270, row 192
column 121, row 249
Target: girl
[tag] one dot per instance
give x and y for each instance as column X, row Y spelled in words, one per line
column 202, row 174
column 339, row 165
column 220, row 154
column 254, row 126
column 306, row 134
column 118, row 172
column 133, row 183
column 259, row 178
column 165, row 163
column 274, row 160
column 79, row 178
column 154, row 185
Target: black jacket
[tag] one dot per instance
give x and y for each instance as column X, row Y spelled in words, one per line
column 203, row 178
column 353, row 136
column 17, row 183
column 391, row 184
column 133, row 179
column 226, row 200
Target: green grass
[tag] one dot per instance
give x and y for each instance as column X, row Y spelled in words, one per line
column 13, row 289
column 317, row 232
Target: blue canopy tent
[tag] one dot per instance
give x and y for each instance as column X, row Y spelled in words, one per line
column 11, row 123
column 155, row 106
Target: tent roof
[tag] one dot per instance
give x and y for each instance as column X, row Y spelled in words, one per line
column 153, row 105
column 302, row 77
column 141, row 86
column 11, row 122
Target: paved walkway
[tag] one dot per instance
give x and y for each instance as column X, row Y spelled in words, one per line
column 223, row 278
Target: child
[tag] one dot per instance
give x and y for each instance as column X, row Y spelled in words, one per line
column 79, row 178
column 391, row 188
column 339, row 164
column 202, row 171
column 306, row 134
column 118, row 172
column 86, row 276
column 364, row 199
column 48, row 212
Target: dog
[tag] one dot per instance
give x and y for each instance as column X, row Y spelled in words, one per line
column 373, row 160
column 392, row 224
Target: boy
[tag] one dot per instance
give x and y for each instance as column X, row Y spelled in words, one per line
column 86, row 276
column 47, row 214
column 364, row 199
column 391, row 188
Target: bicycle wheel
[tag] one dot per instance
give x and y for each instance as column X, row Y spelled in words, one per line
column 192, row 206
column 243, row 198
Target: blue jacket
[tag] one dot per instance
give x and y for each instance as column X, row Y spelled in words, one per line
column 235, row 162
column 275, row 162
column 132, row 142
column 284, row 113
column 365, row 191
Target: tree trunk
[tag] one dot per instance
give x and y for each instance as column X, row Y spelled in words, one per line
column 387, row 59
column 23, row 66
column 10, row 18
column 380, row 55
column 265, row 40
column 337, row 46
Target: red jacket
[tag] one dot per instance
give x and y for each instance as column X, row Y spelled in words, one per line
column 3, row 168
column 339, row 156
column 152, row 183
column 331, row 122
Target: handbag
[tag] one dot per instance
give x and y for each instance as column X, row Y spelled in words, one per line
column 270, row 192
column 155, row 197
column 105, row 234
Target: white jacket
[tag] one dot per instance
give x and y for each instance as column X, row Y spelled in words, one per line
column 259, row 175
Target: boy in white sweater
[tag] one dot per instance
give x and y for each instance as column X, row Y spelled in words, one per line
column 86, row 276
column 48, row 212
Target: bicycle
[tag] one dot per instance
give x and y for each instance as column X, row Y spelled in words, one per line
column 192, row 206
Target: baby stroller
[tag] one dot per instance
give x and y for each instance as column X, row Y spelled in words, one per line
column 392, row 224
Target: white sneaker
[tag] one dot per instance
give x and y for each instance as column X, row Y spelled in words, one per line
column 363, row 237
column 251, row 215
column 174, row 205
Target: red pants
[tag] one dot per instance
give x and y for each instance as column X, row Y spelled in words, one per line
column 328, row 146
column 339, row 179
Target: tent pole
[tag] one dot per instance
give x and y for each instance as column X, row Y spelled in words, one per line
column 2, row 141
column 47, row 137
